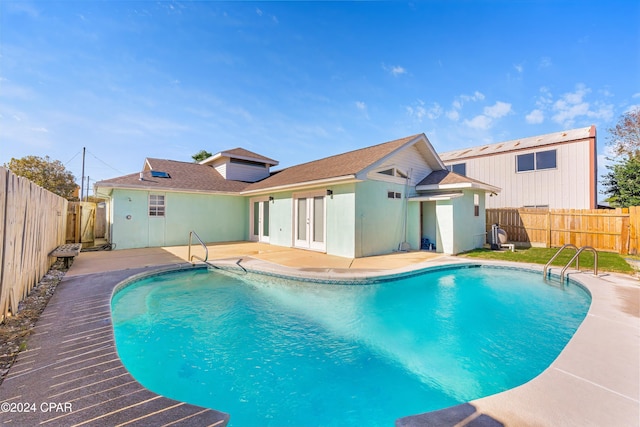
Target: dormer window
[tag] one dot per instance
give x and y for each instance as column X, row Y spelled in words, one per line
column 248, row 163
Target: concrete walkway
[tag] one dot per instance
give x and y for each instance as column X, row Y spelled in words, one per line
column 71, row 374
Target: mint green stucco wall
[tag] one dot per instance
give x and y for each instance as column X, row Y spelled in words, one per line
column 281, row 220
column 379, row 219
column 457, row 229
column 216, row 218
column 469, row 229
column 341, row 228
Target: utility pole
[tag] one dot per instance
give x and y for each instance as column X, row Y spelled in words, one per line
column 87, row 197
column 82, row 180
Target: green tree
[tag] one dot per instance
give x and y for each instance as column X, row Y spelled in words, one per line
column 47, row 173
column 201, row 155
column 622, row 183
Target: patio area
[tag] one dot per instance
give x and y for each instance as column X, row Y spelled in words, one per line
column 72, row 374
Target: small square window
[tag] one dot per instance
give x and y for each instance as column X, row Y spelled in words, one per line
column 156, row 205
column 391, row 194
column 398, row 195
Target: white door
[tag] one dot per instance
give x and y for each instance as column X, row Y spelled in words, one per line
column 310, row 221
column 260, row 220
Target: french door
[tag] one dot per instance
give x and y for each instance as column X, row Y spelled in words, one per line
column 260, row 219
column 310, row 221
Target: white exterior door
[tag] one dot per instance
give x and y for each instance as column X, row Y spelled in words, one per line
column 260, row 219
column 309, row 226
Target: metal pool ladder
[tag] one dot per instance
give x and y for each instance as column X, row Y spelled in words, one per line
column 575, row 257
column 206, row 250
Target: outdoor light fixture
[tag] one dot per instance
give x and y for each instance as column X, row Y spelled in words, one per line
column 271, row 198
column 329, row 192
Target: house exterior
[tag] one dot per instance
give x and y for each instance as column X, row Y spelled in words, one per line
column 555, row 171
column 365, row 202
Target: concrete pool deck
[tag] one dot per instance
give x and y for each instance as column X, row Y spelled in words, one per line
column 72, row 375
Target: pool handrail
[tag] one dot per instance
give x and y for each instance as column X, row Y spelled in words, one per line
column 577, row 258
column 568, row 245
column 206, row 250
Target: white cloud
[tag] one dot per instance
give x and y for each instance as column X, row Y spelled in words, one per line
column 545, row 62
column 535, row 117
column 490, row 114
column 458, row 103
column 519, row 68
column 453, row 115
column 481, row 122
column 573, row 105
column 259, row 12
column 418, row 111
column 361, row 105
column 395, row 70
column 636, row 95
column 498, row 110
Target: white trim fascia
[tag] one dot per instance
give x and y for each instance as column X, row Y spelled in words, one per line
column 459, row 186
column 252, row 159
column 435, row 197
column 235, row 156
column 171, row 190
column 346, row 179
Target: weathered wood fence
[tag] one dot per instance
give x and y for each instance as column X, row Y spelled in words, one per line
column 613, row 230
column 32, row 224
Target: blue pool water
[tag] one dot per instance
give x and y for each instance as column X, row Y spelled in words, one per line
column 303, row 354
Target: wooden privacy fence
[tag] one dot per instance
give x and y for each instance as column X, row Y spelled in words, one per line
column 32, row 224
column 613, row 230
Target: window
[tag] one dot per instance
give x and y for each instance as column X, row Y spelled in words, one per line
column 459, row 168
column 394, row 172
column 546, row 159
column 394, row 195
column 536, row 161
column 156, row 205
column 476, row 205
column 159, row 174
column 525, row 162
column 248, row 163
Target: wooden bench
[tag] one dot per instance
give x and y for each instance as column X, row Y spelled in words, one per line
column 66, row 252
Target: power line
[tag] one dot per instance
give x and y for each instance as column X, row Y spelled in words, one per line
column 105, row 163
column 74, row 156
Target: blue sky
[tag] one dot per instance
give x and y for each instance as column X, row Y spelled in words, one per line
column 297, row 81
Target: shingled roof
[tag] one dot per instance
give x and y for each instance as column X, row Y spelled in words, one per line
column 182, row 176
column 341, row 165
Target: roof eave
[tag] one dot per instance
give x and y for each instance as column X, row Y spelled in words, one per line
column 171, row 189
column 459, row 186
column 345, row 179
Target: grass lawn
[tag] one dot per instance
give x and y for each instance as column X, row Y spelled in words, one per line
column 607, row 261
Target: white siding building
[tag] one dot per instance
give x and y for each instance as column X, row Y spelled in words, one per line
column 556, row 171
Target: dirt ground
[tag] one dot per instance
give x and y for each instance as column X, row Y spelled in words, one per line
column 15, row 330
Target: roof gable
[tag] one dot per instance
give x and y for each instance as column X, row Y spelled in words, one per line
column 350, row 165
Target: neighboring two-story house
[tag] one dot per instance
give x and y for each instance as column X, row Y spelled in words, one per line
column 555, row 171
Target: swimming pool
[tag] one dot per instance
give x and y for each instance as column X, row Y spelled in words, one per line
column 276, row 352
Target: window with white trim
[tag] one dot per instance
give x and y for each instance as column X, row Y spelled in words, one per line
column 156, row 205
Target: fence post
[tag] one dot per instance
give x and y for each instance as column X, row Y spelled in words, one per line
column 548, row 243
